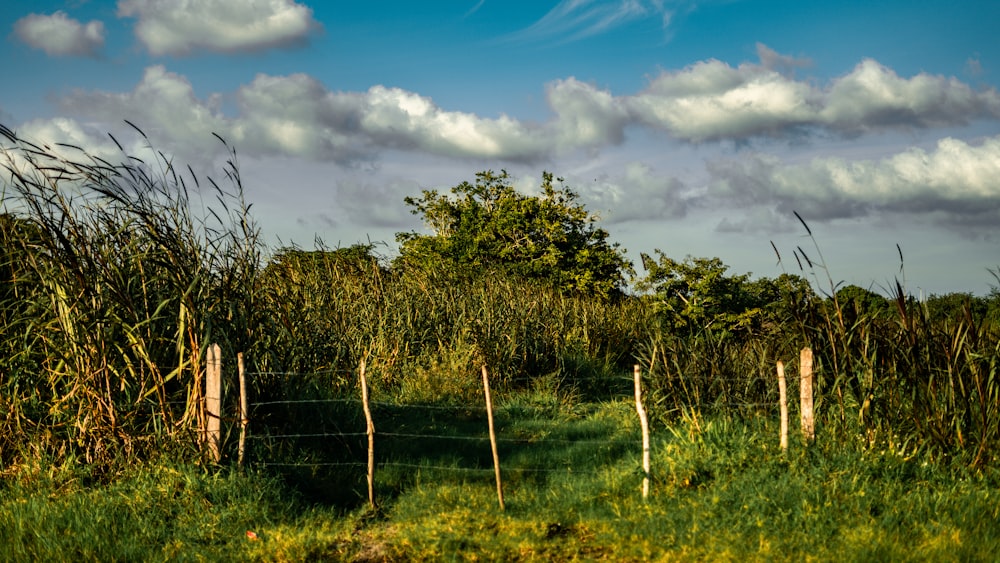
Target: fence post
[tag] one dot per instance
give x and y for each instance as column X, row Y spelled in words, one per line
column 244, row 409
column 806, row 394
column 783, row 405
column 493, row 436
column 370, row 430
column 644, row 422
column 213, row 402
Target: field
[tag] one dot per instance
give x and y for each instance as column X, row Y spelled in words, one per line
column 722, row 490
column 118, row 278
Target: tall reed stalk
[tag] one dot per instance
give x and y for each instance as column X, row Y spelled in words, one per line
column 903, row 379
column 113, row 288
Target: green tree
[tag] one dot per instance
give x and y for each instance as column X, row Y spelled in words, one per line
column 696, row 294
column 856, row 302
column 488, row 226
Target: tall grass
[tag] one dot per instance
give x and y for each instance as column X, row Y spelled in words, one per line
column 901, row 377
column 330, row 309
column 117, row 276
column 113, row 288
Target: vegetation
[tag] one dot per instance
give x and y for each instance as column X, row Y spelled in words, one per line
column 722, row 490
column 115, row 277
column 490, row 226
column 114, row 289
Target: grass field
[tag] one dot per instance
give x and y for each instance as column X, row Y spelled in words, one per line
column 722, row 490
column 116, row 278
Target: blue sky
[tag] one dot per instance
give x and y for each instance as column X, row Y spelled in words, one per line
column 695, row 127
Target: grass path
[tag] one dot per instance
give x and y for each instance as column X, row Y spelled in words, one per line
column 721, row 491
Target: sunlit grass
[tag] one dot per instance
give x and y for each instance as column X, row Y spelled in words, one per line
column 722, row 490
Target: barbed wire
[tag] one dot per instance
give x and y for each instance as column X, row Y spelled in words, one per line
column 524, row 440
column 330, row 371
column 320, row 435
column 484, row 470
column 317, row 464
column 303, row 401
column 655, row 377
column 502, row 408
column 419, row 406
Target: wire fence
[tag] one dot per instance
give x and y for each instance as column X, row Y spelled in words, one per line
column 311, row 433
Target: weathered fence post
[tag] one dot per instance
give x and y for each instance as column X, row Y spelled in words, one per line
column 370, row 430
column 244, row 409
column 644, row 422
column 783, row 405
column 806, row 394
column 213, row 402
column 493, row 436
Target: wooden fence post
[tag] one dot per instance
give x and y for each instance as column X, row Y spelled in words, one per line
column 244, row 409
column 493, row 436
column 644, row 422
column 213, row 402
column 783, row 405
column 806, row 394
column 370, row 430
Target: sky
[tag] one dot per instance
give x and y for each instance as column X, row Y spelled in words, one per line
column 695, row 127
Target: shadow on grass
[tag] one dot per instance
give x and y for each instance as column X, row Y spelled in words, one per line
column 320, row 449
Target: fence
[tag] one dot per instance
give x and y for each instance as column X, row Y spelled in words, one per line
column 211, row 433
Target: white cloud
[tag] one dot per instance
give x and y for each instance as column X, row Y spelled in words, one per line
column 296, row 115
column 179, row 27
column 955, row 183
column 47, row 133
column 712, row 100
column 61, row 35
column 164, row 105
column 585, row 116
column 396, row 118
column 873, row 96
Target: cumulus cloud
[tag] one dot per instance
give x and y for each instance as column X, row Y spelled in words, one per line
column 397, row 118
column 164, row 105
column 179, row 27
column 60, row 35
column 712, row 100
column 873, row 97
column 955, row 183
column 584, row 115
column 58, row 137
column 297, row 115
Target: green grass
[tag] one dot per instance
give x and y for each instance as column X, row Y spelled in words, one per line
column 722, row 490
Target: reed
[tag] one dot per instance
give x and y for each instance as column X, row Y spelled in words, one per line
column 113, row 288
column 901, row 377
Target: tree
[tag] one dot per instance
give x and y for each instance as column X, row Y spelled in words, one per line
column 489, row 226
column 856, row 302
column 696, row 293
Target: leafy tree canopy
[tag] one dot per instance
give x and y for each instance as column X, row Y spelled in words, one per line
column 489, row 226
column 698, row 293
